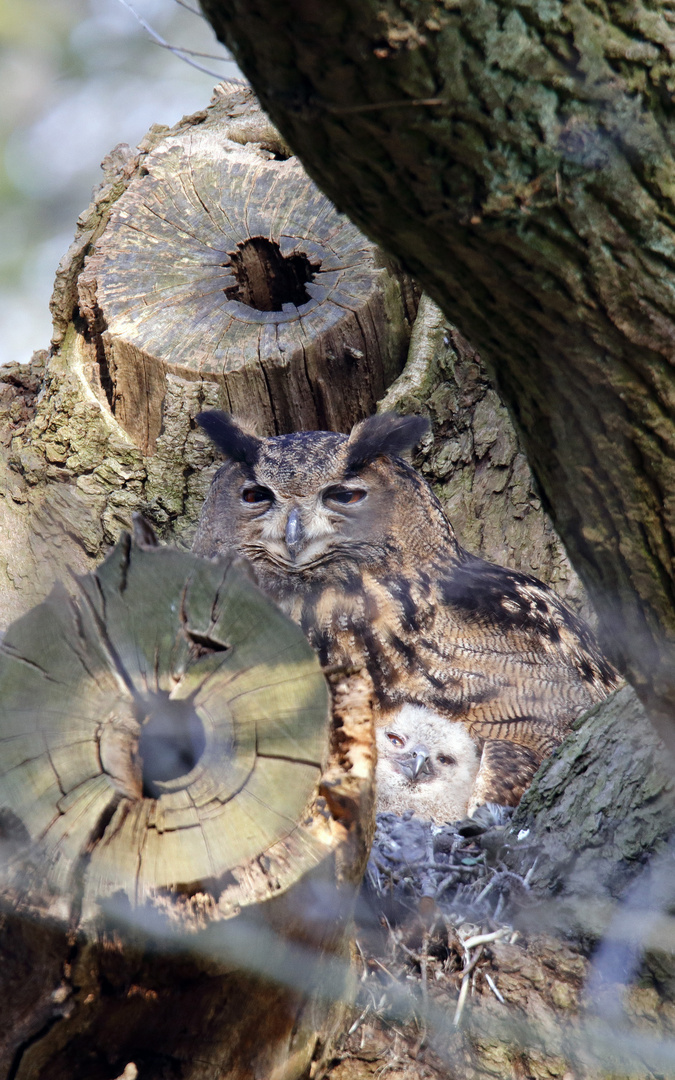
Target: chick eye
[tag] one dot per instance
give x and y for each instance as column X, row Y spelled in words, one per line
column 344, row 495
column 395, row 739
column 445, row 760
column 257, row 494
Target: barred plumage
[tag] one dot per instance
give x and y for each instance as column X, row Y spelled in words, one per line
column 355, row 547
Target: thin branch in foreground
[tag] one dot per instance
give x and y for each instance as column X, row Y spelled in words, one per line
column 180, row 53
column 193, row 11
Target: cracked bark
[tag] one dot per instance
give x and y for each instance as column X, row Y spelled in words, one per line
column 165, row 805
column 517, row 157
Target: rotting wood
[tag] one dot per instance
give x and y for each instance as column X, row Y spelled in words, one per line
column 224, row 264
column 181, row 828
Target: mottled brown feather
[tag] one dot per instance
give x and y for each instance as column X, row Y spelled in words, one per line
column 385, row 584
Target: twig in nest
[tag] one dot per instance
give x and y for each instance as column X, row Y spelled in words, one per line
column 361, row 1018
column 424, row 956
column 385, row 970
column 469, row 964
column 485, row 939
column 495, row 991
column 364, row 973
column 464, row 988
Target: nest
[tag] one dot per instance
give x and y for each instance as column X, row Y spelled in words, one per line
column 434, row 899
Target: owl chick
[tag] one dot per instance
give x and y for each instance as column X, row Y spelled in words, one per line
column 425, row 763
column 353, row 544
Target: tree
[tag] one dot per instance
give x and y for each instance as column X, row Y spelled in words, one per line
column 81, row 457
column 517, row 157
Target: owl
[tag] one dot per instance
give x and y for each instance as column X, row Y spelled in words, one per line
column 425, row 763
column 354, row 546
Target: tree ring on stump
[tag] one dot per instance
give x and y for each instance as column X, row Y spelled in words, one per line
column 162, row 729
column 223, row 265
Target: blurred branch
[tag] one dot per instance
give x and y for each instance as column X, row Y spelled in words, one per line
column 182, row 54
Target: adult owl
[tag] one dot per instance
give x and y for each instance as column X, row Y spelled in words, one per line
column 353, row 544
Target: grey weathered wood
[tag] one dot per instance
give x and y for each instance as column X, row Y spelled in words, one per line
column 177, row 819
column 225, row 265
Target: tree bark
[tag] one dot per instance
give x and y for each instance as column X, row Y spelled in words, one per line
column 474, row 459
column 602, row 806
column 517, row 158
column 181, row 828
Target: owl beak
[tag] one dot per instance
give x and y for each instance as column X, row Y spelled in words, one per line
column 422, row 762
column 295, row 534
column 418, row 761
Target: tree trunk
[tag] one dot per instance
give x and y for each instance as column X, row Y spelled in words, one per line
column 181, row 829
column 601, row 807
column 518, row 158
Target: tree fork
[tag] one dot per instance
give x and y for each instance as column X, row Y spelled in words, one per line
column 518, row 158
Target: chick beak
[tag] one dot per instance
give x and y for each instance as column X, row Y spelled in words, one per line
column 415, row 763
column 295, row 534
column 421, row 761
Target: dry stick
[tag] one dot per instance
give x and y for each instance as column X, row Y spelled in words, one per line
column 464, row 988
column 495, row 991
column 364, row 973
column 484, row 939
column 423, row 970
column 361, row 1019
column 180, row 53
column 529, row 873
column 386, row 970
column 480, row 940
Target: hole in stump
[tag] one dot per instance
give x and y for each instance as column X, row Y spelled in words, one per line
column 171, row 742
column 266, row 279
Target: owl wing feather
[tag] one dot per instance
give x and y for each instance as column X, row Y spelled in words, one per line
column 504, row 774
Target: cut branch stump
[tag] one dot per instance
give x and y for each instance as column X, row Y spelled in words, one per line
column 181, row 828
column 223, row 265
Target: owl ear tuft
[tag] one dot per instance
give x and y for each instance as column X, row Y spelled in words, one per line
column 385, row 434
column 231, row 440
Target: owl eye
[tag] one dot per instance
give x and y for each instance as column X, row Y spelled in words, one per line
column 446, row 760
column 395, row 739
column 344, row 495
column 257, row 494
